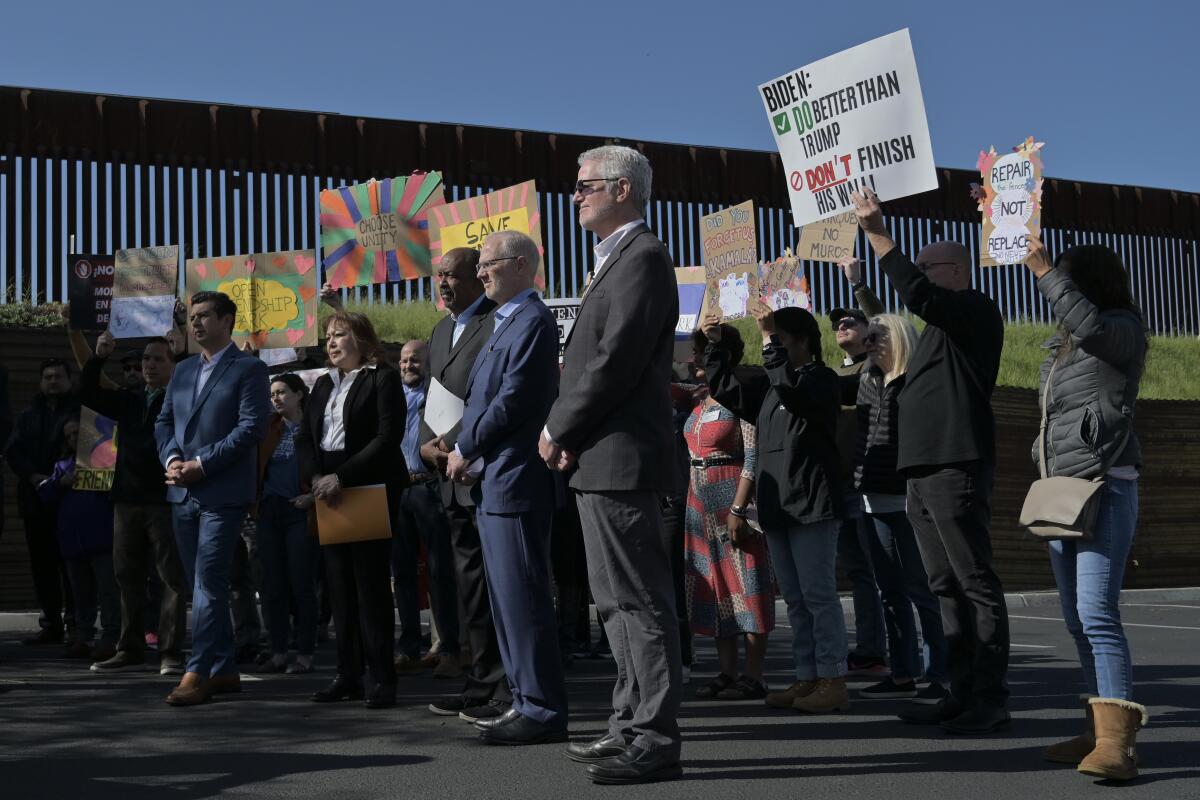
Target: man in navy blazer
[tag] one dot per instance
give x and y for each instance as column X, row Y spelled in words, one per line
column 513, row 384
column 214, row 414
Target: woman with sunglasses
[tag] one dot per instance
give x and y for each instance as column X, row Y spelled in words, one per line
column 798, row 490
column 899, row 573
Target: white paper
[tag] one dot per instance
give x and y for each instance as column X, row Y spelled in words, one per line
column 278, row 355
column 852, row 119
column 135, row 317
column 443, row 409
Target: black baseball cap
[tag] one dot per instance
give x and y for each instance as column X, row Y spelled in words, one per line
column 132, row 355
column 839, row 314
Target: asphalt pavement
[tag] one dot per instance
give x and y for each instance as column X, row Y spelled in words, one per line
column 68, row 733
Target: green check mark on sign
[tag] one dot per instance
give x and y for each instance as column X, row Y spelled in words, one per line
column 782, row 123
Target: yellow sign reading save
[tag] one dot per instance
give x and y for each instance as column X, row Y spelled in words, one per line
column 473, row 232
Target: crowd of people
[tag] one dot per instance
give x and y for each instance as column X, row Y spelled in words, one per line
column 682, row 503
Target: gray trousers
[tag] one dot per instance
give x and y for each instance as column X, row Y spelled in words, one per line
column 630, row 575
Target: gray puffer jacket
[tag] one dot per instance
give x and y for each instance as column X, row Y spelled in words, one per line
column 1095, row 385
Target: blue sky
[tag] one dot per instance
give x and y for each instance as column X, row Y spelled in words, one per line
column 1110, row 87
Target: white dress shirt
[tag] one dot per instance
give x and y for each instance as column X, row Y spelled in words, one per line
column 460, row 322
column 333, row 432
column 207, row 365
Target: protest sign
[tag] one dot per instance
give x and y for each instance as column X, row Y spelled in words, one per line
column 565, row 311
column 729, row 245
column 851, row 120
column 144, row 284
column 467, row 223
column 1010, row 201
column 691, row 283
column 377, row 231
column 784, row 283
column 90, row 289
column 95, row 452
column 730, row 294
column 276, row 295
column 829, row 239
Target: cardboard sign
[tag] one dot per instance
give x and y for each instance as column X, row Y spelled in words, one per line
column 144, row 283
column 95, row 453
column 276, row 295
column 1010, row 201
column 90, row 291
column 728, row 239
column 377, row 231
column 692, row 284
column 468, row 223
column 850, row 120
column 829, row 239
column 731, row 294
column 784, row 284
column 565, row 311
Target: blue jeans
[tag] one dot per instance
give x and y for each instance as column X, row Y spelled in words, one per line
column 904, row 584
column 854, row 556
column 289, row 563
column 804, row 558
column 206, row 539
column 1089, row 575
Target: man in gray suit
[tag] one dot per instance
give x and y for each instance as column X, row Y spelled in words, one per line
column 612, row 424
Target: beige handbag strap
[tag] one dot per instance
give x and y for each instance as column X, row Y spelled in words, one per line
column 1045, row 423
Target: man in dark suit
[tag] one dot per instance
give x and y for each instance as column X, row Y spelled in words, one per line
column 453, row 347
column 213, row 416
column 510, row 391
column 613, row 422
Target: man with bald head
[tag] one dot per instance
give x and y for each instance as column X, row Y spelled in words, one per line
column 947, row 450
column 453, row 346
column 509, row 394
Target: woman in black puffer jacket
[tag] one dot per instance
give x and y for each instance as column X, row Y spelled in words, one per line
column 1097, row 357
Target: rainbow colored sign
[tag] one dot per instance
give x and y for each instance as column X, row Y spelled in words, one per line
column 95, row 453
column 377, row 231
column 468, row 223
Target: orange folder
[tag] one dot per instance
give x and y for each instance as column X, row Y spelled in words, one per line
column 361, row 515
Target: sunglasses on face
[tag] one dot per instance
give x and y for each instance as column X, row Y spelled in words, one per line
column 582, row 186
column 847, row 322
column 875, row 337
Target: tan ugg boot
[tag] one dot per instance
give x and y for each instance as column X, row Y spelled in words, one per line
column 1117, row 724
column 789, row 695
column 1072, row 751
column 829, row 695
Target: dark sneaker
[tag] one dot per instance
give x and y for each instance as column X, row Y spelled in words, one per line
column 453, row 704
column 247, row 654
column 947, row 709
column 978, row 719
column 44, row 636
column 866, row 667
column 493, row 708
column 121, row 661
column 888, row 689
column 931, row 695
column 744, row 688
column 170, row 665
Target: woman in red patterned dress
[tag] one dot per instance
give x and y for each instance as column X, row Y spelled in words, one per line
column 730, row 590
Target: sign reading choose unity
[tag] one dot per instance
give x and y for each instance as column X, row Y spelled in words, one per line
column 851, row 120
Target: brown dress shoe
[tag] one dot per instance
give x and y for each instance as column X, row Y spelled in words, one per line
column 191, row 691
column 225, row 684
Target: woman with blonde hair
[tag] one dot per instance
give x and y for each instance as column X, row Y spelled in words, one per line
column 901, row 577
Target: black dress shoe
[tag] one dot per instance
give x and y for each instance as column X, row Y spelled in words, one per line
column 947, row 709
column 487, row 723
column 341, row 688
column 978, row 719
column 525, row 730
column 635, row 765
column 382, row 696
column 607, row 746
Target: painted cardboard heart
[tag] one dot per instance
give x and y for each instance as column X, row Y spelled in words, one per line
column 294, row 335
column 223, row 265
column 201, row 269
column 279, row 261
column 249, row 265
column 307, row 293
column 304, row 263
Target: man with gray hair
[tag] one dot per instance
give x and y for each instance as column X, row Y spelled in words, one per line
column 947, row 451
column 612, row 423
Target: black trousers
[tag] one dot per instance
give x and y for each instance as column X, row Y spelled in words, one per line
column 359, row 575
column 950, row 510
column 50, row 582
column 673, row 509
column 485, row 675
column 569, row 564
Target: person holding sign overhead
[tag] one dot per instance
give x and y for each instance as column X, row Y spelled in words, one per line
column 947, row 451
column 212, row 418
column 350, row 436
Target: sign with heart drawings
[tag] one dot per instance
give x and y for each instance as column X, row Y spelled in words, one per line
column 276, row 295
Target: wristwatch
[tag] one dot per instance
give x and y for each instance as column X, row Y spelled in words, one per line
column 738, row 511
column 859, row 286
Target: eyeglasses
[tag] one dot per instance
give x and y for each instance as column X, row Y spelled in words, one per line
column 847, row 322
column 875, row 337
column 581, row 185
column 495, row 261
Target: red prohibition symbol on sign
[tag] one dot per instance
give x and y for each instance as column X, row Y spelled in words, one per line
column 797, row 180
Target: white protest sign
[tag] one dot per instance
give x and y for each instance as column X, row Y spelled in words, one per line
column 134, row 317
column 565, row 310
column 850, row 120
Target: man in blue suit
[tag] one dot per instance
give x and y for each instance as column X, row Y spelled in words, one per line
column 513, row 384
column 214, row 414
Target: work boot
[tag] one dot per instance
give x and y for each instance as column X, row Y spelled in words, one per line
column 828, row 695
column 1117, row 723
column 790, row 695
column 1072, row 751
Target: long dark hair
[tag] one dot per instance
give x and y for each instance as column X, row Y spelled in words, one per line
column 1100, row 276
column 731, row 340
column 800, row 324
column 295, row 383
